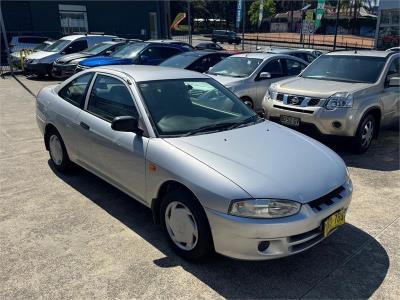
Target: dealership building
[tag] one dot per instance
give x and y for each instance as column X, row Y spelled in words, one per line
column 54, row 19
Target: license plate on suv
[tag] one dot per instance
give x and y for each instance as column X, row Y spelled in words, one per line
column 333, row 221
column 291, row 121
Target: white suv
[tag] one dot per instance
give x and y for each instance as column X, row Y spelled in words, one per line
column 41, row 62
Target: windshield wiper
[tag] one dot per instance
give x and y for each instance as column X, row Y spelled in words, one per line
column 251, row 120
column 211, row 127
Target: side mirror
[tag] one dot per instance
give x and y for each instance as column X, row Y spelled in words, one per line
column 107, row 53
column 265, row 75
column 126, row 124
column 394, row 81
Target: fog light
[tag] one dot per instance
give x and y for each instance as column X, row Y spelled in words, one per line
column 263, row 246
column 337, row 124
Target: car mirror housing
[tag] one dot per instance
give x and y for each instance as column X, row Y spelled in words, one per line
column 264, row 75
column 126, row 124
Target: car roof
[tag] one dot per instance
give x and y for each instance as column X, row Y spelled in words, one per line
column 148, row 73
column 371, row 53
column 259, row 55
column 200, row 53
column 77, row 36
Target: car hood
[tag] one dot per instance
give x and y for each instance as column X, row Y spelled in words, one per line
column 317, row 88
column 41, row 54
column 106, row 60
column 268, row 160
column 70, row 57
column 226, row 80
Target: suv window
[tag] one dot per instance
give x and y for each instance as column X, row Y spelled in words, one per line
column 394, row 69
column 273, row 67
column 75, row 91
column 76, row 46
column 293, row 67
column 167, row 52
column 110, row 98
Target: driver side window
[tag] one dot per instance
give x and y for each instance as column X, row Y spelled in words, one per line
column 274, row 67
column 75, row 91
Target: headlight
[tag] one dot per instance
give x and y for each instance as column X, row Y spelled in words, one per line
column 342, row 99
column 264, row 208
column 271, row 92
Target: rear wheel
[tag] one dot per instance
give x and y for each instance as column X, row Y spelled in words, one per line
column 365, row 133
column 186, row 226
column 58, row 152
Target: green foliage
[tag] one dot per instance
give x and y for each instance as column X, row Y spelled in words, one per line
column 269, row 10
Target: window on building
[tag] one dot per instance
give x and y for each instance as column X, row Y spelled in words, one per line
column 73, row 18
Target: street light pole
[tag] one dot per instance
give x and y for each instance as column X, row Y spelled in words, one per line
column 337, row 23
column 189, row 23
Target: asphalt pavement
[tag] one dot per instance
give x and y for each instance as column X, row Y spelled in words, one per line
column 77, row 237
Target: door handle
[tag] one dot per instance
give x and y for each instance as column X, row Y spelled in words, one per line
column 85, row 126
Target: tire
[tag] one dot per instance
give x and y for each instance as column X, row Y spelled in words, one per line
column 181, row 212
column 58, row 153
column 248, row 102
column 364, row 135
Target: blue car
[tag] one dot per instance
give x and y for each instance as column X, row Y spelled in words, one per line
column 145, row 53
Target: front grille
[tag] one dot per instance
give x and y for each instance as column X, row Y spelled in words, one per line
column 302, row 101
column 307, row 244
column 329, row 199
column 294, row 109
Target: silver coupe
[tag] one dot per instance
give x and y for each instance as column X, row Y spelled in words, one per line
column 216, row 176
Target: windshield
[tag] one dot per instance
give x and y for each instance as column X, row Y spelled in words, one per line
column 96, row 49
column 57, row 46
column 179, row 61
column 363, row 69
column 129, row 50
column 193, row 106
column 236, row 67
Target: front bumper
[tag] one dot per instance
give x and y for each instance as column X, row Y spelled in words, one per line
column 325, row 121
column 37, row 69
column 239, row 237
column 63, row 71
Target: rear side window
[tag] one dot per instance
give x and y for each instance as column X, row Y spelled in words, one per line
column 75, row 91
column 110, row 98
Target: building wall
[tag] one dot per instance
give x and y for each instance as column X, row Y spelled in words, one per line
column 123, row 18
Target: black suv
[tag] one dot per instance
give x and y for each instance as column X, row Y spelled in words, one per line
column 225, row 36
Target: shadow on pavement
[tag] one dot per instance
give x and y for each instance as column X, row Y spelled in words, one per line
column 383, row 155
column 325, row 271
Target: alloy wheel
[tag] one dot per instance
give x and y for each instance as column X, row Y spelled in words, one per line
column 367, row 134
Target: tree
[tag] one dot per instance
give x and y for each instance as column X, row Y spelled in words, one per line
column 269, row 10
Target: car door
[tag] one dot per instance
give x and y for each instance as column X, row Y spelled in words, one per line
column 275, row 69
column 391, row 97
column 118, row 157
column 71, row 100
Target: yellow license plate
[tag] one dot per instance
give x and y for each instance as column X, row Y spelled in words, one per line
column 334, row 221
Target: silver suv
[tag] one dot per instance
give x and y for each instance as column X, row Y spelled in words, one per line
column 345, row 93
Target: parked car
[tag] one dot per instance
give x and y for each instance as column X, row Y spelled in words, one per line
column 41, row 62
column 249, row 75
column 65, row 66
column 18, row 43
column 344, row 93
column 307, row 55
column 209, row 46
column 199, row 61
column 206, row 164
column 146, row 53
column 15, row 57
column 184, row 45
column 225, row 36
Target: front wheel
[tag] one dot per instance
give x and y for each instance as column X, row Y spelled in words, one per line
column 364, row 135
column 186, row 226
